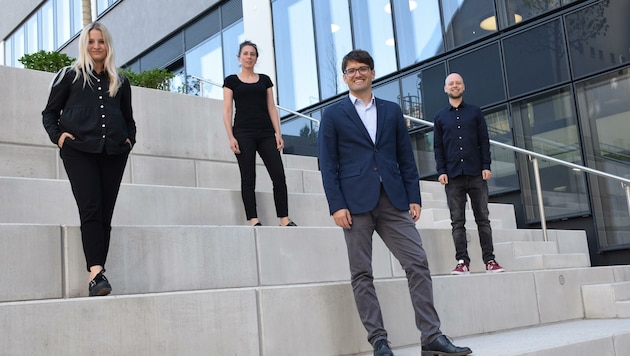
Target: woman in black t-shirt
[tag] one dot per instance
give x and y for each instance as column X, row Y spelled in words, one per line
column 256, row 128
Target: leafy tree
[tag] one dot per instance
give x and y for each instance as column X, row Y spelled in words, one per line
column 46, row 61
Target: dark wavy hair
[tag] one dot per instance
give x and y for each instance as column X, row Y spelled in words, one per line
column 357, row 55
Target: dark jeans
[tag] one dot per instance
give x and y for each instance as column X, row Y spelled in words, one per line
column 477, row 189
column 250, row 142
column 95, row 179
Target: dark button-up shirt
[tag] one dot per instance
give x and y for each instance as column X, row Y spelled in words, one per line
column 99, row 123
column 461, row 142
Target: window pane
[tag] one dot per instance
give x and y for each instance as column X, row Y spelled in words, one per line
column 77, row 17
column 432, row 90
column 483, row 75
column 295, row 53
column 519, row 10
column 536, row 59
column 18, row 46
column 419, row 29
column 63, row 22
column 464, row 20
column 31, row 35
column 547, row 124
column 373, row 32
column 9, row 58
column 47, row 27
column 411, row 99
column 232, row 38
column 604, row 113
column 101, row 5
column 504, row 176
column 206, row 61
column 598, row 36
column 334, row 41
column 389, row 91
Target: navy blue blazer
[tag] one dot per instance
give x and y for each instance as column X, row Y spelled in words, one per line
column 353, row 167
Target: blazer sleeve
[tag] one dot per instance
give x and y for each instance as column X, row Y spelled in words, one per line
column 329, row 161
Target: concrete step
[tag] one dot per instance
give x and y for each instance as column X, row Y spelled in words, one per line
column 271, row 320
column 610, row 337
column 607, row 300
column 150, row 259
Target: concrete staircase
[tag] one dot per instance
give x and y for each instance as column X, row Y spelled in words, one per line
column 189, row 277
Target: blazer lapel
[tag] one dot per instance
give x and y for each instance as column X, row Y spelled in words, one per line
column 381, row 114
column 351, row 111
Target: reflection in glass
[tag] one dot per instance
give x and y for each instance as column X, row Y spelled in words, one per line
column 300, row 134
column 463, row 20
column 47, row 27
column 18, row 46
column 519, row 10
column 418, row 30
column 598, row 36
column 536, row 58
column 411, row 99
column 605, row 116
column 334, row 40
column 77, row 17
column 295, row 53
column 547, row 124
column 63, row 21
column 373, row 32
column 232, row 38
column 482, row 72
column 504, row 176
column 206, row 61
column 31, row 35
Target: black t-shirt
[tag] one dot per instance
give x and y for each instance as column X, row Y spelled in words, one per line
column 250, row 101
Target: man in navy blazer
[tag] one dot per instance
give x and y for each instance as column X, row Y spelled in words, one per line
column 371, row 183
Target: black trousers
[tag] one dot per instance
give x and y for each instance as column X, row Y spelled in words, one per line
column 456, row 191
column 263, row 142
column 95, row 179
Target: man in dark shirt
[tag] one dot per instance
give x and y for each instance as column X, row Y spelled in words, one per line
column 462, row 156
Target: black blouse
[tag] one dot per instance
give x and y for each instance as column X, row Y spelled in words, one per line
column 99, row 123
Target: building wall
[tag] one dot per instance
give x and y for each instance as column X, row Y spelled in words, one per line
column 13, row 13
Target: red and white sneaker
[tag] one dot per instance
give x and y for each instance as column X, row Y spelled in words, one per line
column 493, row 267
column 461, row 268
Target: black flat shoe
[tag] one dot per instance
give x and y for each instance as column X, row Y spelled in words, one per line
column 443, row 346
column 291, row 223
column 99, row 286
column 257, row 224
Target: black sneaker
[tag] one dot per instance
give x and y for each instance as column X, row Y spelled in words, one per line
column 99, row 286
column 381, row 348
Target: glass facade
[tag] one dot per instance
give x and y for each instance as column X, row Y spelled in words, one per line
column 53, row 24
column 533, row 66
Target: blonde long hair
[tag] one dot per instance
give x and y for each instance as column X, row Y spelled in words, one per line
column 84, row 65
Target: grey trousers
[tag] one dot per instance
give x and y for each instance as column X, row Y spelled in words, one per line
column 398, row 231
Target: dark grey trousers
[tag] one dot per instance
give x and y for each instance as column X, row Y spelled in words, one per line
column 398, row 231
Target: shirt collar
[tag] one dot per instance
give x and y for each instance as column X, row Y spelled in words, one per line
column 354, row 99
column 461, row 105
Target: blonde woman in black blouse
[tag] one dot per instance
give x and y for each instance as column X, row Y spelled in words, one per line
column 256, row 128
column 89, row 117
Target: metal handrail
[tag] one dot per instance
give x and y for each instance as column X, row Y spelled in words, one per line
column 533, row 157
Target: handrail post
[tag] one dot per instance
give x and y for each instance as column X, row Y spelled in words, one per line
column 626, row 186
column 541, row 206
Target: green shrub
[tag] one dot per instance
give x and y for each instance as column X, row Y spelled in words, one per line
column 46, row 61
column 154, row 78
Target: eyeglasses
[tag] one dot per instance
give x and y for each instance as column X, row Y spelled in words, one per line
column 362, row 70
